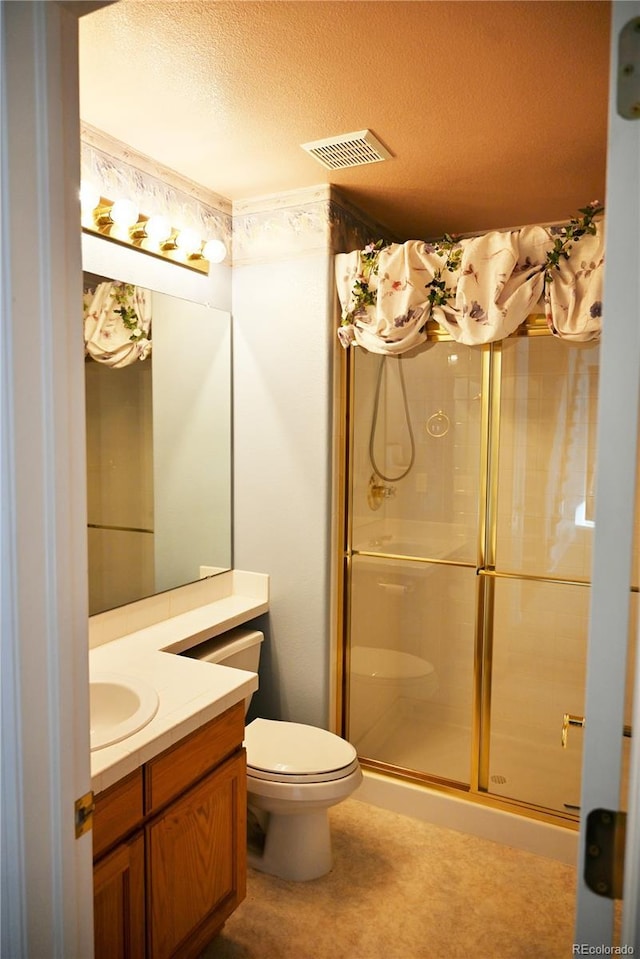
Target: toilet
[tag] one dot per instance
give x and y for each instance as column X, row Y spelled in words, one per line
column 295, row 772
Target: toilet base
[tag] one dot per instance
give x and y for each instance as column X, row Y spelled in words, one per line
column 297, row 846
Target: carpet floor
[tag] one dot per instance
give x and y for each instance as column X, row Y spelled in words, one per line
column 404, row 889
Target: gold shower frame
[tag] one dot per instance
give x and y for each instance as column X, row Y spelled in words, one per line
column 477, row 790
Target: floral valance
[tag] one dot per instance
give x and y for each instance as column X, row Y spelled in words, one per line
column 117, row 323
column 479, row 289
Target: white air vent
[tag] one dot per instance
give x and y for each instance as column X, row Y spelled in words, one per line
column 348, row 149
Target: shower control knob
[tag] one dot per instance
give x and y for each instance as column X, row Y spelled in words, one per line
column 377, row 492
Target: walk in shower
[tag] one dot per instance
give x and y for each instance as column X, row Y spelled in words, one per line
column 467, row 564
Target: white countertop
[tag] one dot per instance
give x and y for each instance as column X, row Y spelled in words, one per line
column 191, row 692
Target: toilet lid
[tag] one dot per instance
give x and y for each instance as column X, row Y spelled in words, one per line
column 282, row 750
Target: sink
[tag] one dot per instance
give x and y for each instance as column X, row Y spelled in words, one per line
column 119, row 707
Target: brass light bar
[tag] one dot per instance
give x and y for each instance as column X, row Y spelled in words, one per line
column 120, row 222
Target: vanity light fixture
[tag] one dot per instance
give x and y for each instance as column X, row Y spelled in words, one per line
column 89, row 200
column 121, row 222
column 214, row 251
column 189, row 242
column 124, row 213
column 157, row 229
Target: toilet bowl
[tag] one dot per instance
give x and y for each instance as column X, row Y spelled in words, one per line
column 295, row 773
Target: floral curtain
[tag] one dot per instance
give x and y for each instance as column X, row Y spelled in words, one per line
column 479, row 289
column 117, row 323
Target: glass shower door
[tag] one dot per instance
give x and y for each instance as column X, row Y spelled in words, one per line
column 470, row 564
column 413, row 583
column 544, row 531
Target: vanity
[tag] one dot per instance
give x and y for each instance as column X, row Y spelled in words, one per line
column 169, row 825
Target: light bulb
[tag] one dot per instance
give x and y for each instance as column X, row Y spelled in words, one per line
column 124, row 213
column 89, row 196
column 214, row 251
column 188, row 242
column 157, row 228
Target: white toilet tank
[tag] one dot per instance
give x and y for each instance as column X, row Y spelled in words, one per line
column 239, row 648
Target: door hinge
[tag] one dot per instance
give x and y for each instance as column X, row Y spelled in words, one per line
column 628, row 90
column 84, row 808
column 604, row 855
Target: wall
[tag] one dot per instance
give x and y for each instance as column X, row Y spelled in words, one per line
column 282, row 466
column 285, row 351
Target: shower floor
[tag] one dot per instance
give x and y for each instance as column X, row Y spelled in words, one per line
column 422, row 737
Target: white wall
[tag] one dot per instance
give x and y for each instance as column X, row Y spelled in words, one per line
column 283, row 349
column 286, row 426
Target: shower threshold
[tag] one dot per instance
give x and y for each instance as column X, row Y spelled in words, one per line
column 426, row 738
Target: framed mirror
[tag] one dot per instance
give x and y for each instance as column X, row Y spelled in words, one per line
column 158, row 441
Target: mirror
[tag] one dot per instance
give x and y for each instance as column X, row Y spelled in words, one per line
column 159, row 453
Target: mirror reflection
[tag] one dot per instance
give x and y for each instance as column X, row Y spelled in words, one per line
column 157, row 388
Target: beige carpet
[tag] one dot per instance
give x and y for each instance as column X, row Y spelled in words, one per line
column 403, row 889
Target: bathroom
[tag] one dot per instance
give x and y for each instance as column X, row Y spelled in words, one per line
column 297, row 675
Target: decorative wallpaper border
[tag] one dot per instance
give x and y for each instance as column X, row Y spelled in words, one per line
column 299, row 223
column 118, row 171
column 281, row 226
column 351, row 229
column 296, row 223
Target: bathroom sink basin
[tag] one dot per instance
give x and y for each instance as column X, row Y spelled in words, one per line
column 119, row 707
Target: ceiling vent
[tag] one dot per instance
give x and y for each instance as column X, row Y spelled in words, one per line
column 348, row 149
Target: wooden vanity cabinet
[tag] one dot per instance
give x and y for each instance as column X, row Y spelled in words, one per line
column 170, row 847
column 118, row 902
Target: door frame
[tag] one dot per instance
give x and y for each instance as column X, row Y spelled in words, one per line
column 614, row 513
column 46, row 872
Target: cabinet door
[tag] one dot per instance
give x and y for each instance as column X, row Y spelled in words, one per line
column 196, row 863
column 118, row 902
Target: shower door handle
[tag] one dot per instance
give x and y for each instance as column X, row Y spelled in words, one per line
column 570, row 720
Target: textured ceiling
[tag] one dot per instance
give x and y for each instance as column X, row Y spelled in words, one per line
column 495, row 112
